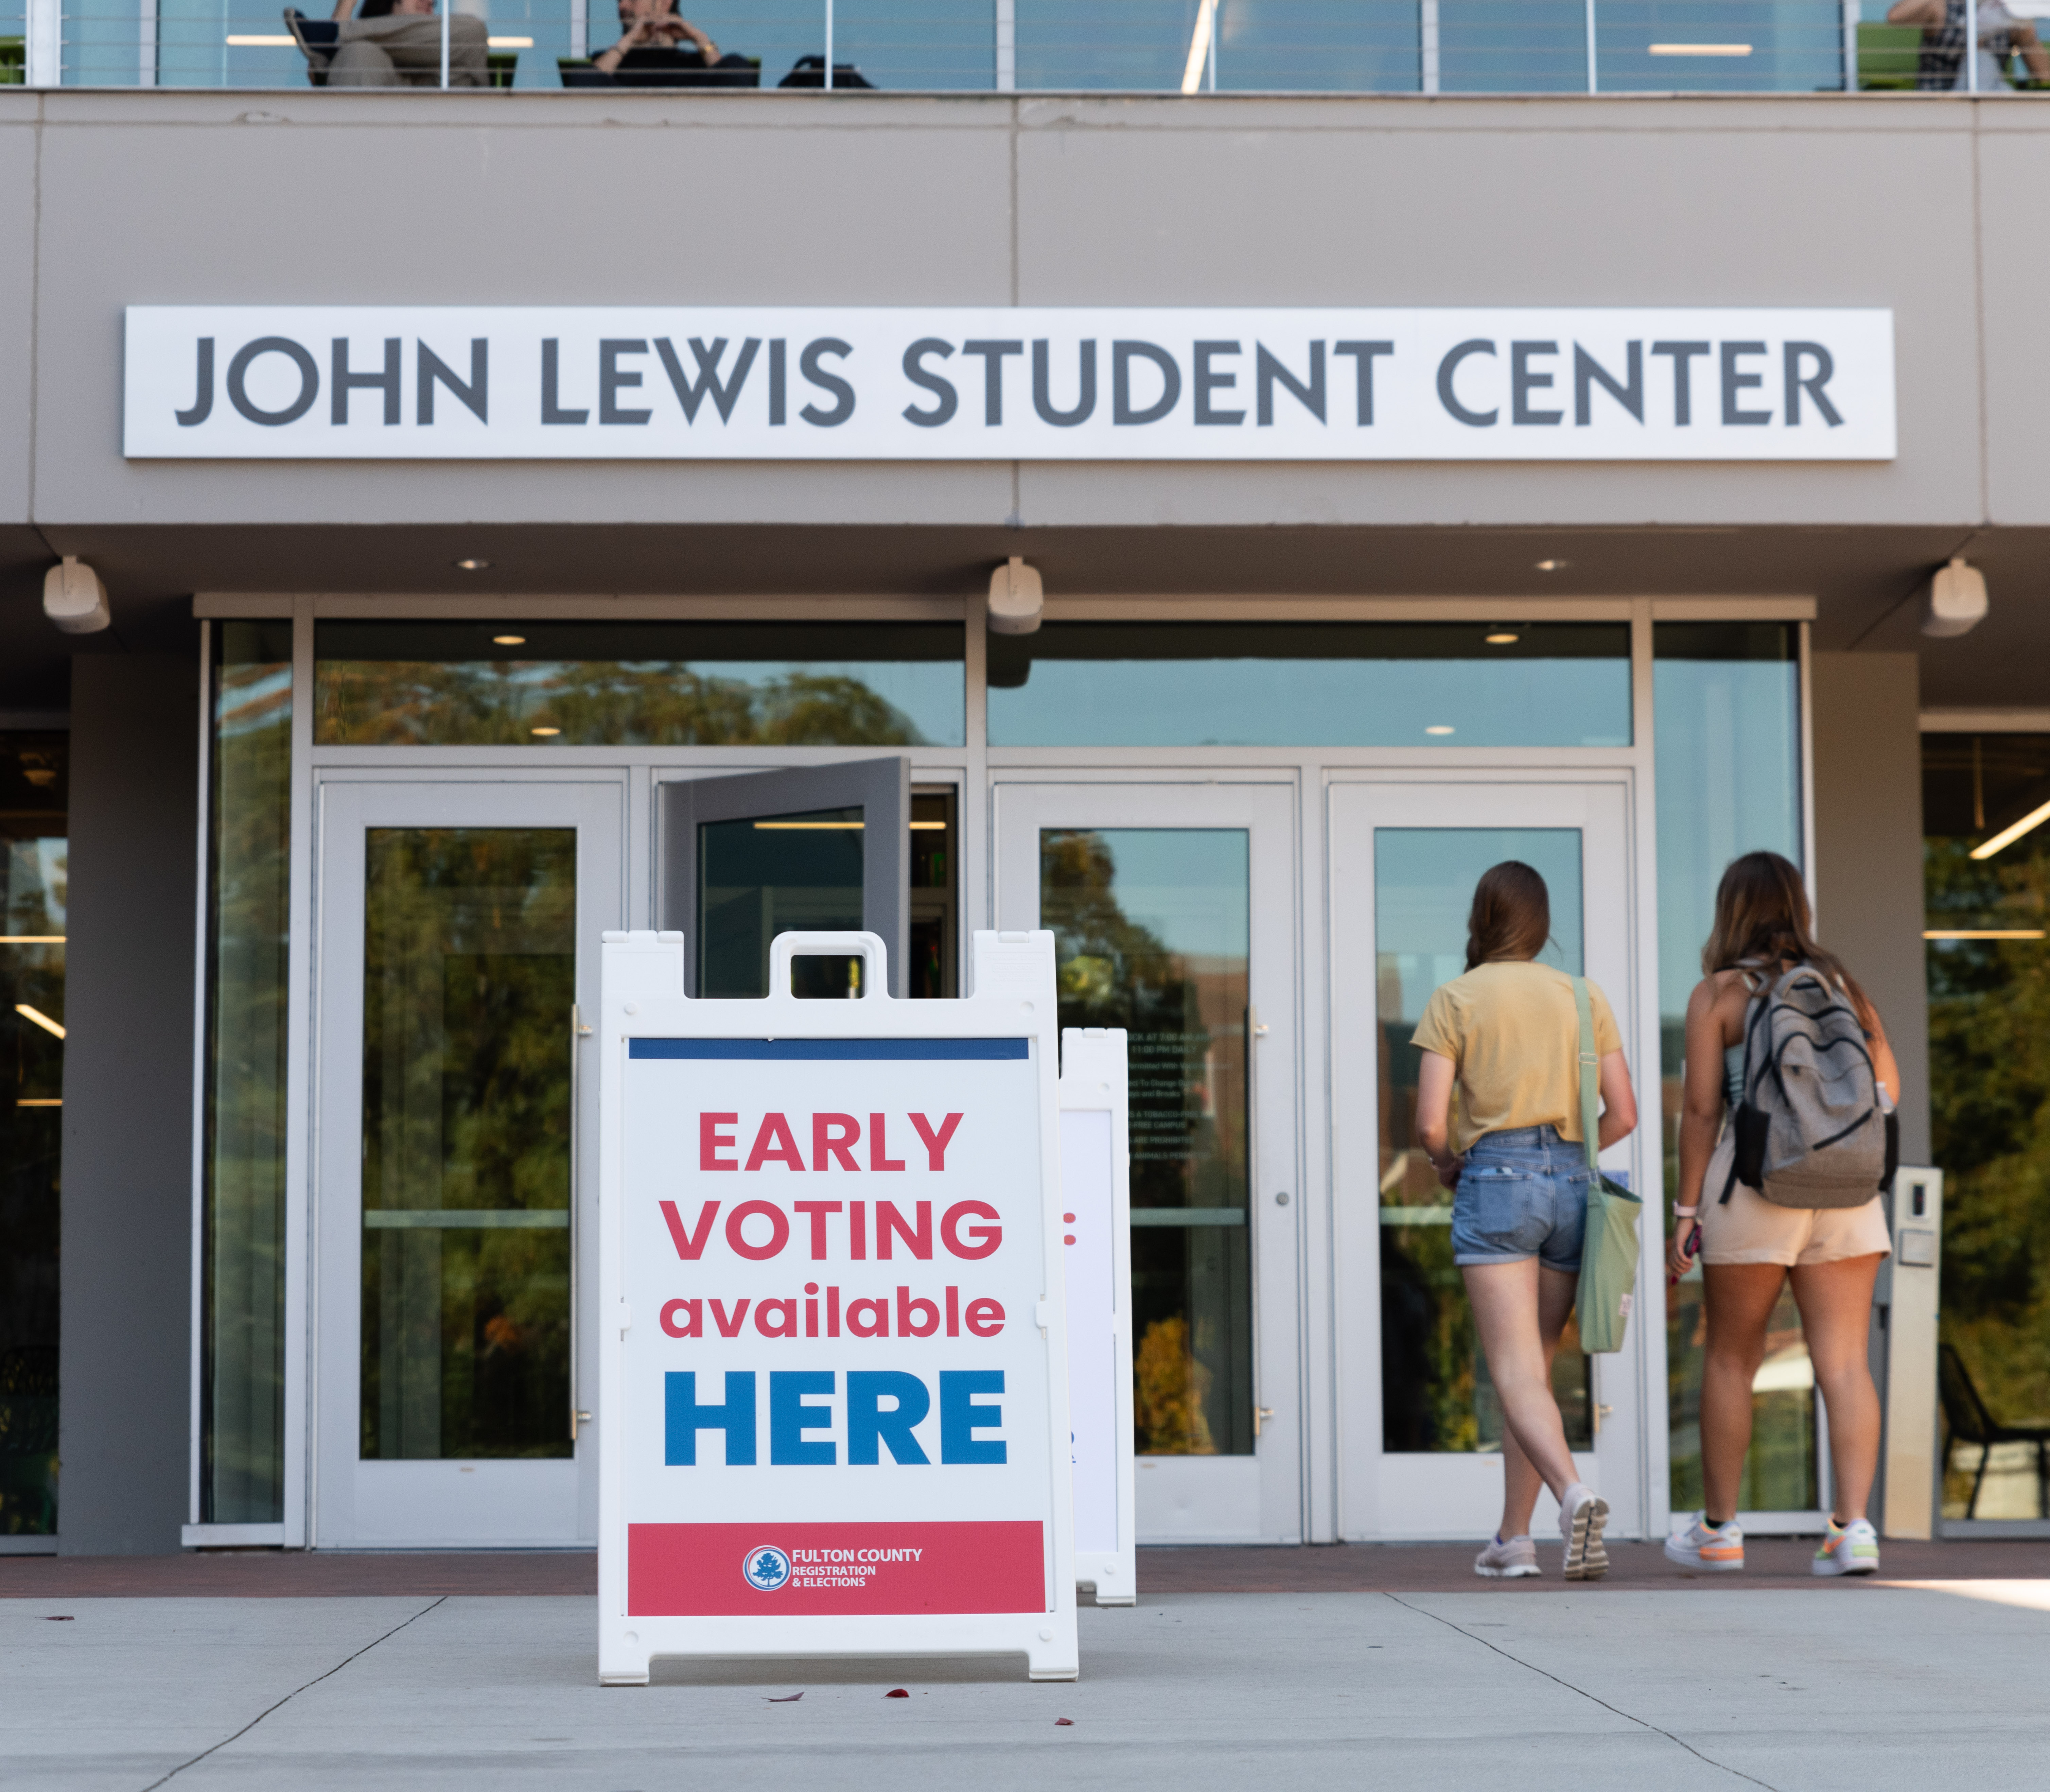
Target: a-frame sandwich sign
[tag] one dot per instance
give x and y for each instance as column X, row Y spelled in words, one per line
column 833, row 1412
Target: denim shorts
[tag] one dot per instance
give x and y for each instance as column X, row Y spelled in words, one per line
column 1521, row 1194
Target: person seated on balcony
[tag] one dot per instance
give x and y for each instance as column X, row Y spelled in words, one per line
column 651, row 38
column 398, row 43
column 2002, row 36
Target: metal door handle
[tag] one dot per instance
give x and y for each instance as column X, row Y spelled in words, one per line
column 1260, row 1415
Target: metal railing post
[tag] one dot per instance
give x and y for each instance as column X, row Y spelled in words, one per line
column 829, row 44
column 1006, row 46
column 1594, row 84
column 43, row 53
column 447, row 7
column 1971, row 46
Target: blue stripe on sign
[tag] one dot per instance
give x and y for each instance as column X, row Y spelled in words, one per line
column 900, row 1050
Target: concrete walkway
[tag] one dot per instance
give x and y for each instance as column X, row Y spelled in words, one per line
column 1866, row 1688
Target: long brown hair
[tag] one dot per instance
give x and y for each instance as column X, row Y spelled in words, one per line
column 1511, row 917
column 1761, row 918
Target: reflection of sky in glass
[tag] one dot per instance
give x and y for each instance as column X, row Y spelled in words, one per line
column 1187, row 887
column 1512, row 46
column 1795, row 46
column 1727, row 740
column 1424, row 881
column 1275, row 702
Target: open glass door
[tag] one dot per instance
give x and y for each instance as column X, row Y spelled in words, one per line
column 457, row 934
column 824, row 849
column 1421, row 1426
column 1169, row 907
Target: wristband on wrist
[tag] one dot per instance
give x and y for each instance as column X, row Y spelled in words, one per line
column 1680, row 1213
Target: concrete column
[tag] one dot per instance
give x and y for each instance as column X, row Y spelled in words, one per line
column 125, row 1418
column 1869, row 853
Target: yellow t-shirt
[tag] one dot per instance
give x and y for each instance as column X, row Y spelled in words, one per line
column 1512, row 1030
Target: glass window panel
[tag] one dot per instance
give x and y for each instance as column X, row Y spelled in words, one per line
column 1512, row 46
column 470, row 972
column 1435, row 1394
column 634, row 684
column 1726, row 702
column 1760, row 46
column 1311, row 684
column 1318, row 46
column 937, row 45
column 935, row 905
column 1151, row 933
column 13, row 40
column 34, row 895
column 761, row 876
column 242, row 1388
column 1988, row 970
column 1082, row 45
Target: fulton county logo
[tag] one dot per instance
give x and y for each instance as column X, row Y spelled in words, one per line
column 767, row 1569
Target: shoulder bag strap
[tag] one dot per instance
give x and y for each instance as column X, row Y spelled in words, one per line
column 1590, row 1074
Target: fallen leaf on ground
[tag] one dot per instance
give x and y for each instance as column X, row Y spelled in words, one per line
column 67, row 1619
column 897, row 1692
column 793, row 1699
column 1069, row 1721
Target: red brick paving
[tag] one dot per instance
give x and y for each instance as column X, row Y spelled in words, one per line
column 1338, row 1568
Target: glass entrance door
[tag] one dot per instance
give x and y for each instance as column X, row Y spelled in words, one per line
column 457, row 929
column 1420, row 1426
column 1169, row 907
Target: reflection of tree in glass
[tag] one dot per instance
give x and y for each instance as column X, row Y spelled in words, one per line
column 1185, row 1045
column 1170, row 1387
column 469, row 973
column 1989, row 1113
column 250, row 811
column 461, row 703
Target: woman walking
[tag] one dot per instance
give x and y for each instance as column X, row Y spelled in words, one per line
column 1507, row 1034
column 1749, row 1247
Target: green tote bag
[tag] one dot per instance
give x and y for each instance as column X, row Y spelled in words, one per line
column 1608, row 1251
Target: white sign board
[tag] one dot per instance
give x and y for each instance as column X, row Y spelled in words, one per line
column 651, row 382
column 1096, row 1184
column 833, row 1412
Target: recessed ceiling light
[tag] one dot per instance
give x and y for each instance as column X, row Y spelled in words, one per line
column 1503, row 637
column 1553, row 565
column 508, row 640
column 1438, row 728
column 472, row 565
column 545, row 731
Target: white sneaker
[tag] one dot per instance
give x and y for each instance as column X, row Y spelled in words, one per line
column 1852, row 1549
column 1582, row 1516
column 1712, row 1549
column 1507, row 1558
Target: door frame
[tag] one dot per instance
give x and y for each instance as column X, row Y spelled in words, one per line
column 1631, row 1442
column 1277, row 1493
column 334, row 1095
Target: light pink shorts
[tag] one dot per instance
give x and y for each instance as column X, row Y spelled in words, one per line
column 1751, row 1229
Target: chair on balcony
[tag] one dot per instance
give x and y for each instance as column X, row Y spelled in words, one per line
column 1889, row 57
column 1967, row 1421
column 318, row 39
column 729, row 71
column 14, row 60
column 810, row 71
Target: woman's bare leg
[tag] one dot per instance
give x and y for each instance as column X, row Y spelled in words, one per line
column 1740, row 1298
column 1521, row 1481
column 1836, row 1313
column 1508, row 1307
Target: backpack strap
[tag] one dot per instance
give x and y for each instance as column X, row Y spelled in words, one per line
column 1590, row 1074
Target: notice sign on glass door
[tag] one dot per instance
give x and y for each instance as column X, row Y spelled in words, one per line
column 839, row 1392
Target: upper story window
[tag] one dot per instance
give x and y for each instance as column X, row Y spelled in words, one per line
column 1257, row 46
column 408, row 684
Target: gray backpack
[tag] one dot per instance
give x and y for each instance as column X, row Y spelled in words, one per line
column 1810, row 1131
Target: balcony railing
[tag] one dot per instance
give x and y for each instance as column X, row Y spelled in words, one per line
column 1187, row 46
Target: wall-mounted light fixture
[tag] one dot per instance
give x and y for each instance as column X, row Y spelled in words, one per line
column 74, row 599
column 1955, row 603
column 1016, row 597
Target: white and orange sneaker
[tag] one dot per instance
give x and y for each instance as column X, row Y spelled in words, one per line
column 1713, row 1548
column 1852, row 1548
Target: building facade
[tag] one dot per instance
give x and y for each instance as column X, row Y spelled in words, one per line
column 311, row 849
